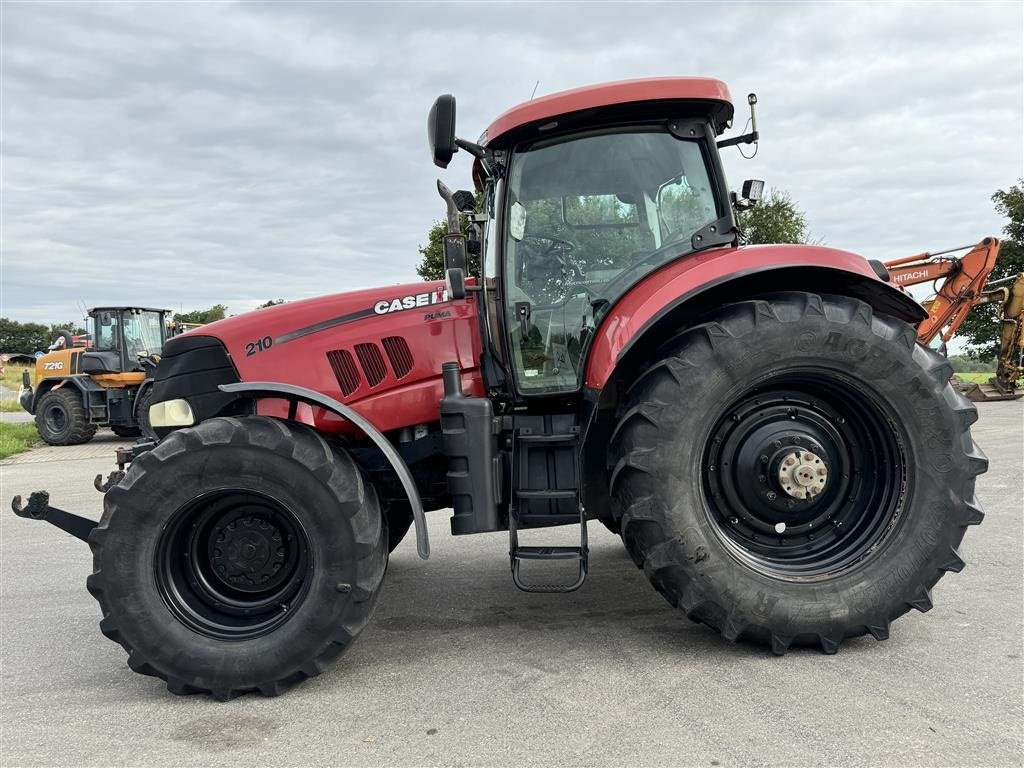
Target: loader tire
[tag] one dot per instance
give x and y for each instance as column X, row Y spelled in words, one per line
column 243, row 554
column 61, row 418
column 840, row 541
column 142, row 415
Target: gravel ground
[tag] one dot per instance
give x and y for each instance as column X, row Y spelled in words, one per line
column 459, row 668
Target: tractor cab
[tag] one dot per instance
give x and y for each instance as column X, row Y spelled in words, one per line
column 585, row 194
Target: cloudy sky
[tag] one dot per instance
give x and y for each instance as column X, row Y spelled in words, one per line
column 182, row 155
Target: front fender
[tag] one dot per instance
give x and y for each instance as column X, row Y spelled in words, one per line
column 258, row 389
column 688, row 287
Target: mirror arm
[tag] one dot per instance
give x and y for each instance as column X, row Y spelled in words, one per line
column 474, row 149
column 746, row 138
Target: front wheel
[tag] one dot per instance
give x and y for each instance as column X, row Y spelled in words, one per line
column 240, row 555
column 61, row 417
column 796, row 470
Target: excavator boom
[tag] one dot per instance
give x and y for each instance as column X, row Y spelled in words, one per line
column 960, row 282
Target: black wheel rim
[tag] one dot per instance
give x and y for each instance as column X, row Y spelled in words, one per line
column 56, row 419
column 233, row 564
column 805, row 475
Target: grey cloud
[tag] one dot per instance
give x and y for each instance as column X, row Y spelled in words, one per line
column 189, row 154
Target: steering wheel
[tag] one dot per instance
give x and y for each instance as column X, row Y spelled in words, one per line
column 555, row 249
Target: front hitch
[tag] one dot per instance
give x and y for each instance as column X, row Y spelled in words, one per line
column 38, row 508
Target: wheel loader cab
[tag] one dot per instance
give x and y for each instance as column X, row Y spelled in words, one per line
column 122, row 337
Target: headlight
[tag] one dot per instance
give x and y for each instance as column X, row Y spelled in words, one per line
column 171, row 413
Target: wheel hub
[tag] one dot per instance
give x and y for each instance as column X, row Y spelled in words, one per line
column 802, row 474
column 233, row 564
column 248, row 552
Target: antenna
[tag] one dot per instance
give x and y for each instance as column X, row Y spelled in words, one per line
column 534, row 90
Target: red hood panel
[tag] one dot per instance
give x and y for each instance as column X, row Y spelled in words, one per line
column 379, row 350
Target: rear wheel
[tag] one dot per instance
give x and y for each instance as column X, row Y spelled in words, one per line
column 239, row 555
column 796, row 470
column 61, row 417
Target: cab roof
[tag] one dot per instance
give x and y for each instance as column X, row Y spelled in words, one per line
column 120, row 309
column 706, row 95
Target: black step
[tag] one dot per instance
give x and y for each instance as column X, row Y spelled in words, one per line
column 568, row 439
column 542, row 520
column 546, row 493
column 548, row 553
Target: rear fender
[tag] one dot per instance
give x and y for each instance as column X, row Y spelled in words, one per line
column 679, row 293
column 683, row 292
column 82, row 383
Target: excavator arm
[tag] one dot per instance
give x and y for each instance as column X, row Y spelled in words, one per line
column 960, row 282
column 963, row 283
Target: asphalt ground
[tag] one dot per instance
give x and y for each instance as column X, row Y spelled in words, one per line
column 459, row 668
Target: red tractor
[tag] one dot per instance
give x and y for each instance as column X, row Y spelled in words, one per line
column 759, row 424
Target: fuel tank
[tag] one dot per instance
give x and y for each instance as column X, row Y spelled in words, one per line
column 378, row 350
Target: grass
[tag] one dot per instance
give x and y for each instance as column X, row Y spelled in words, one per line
column 12, row 375
column 15, row 438
column 10, row 405
column 977, row 378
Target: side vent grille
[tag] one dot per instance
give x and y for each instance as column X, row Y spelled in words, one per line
column 398, row 354
column 345, row 370
column 372, row 362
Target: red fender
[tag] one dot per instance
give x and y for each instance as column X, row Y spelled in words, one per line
column 682, row 279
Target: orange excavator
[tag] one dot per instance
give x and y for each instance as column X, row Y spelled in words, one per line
column 961, row 282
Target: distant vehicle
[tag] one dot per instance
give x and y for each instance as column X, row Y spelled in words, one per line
column 100, row 379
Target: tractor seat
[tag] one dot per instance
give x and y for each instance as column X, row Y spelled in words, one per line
column 101, row 362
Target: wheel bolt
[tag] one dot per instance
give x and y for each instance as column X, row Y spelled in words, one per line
column 764, row 459
column 734, row 520
column 344, row 588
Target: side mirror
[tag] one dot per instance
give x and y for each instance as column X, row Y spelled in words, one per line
column 455, row 283
column 441, row 130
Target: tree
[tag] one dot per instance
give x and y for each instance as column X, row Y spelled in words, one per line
column 216, row 312
column 270, row 303
column 25, row 338
column 775, row 219
column 980, row 328
column 74, row 327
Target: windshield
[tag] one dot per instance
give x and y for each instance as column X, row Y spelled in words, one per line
column 586, row 218
column 141, row 332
